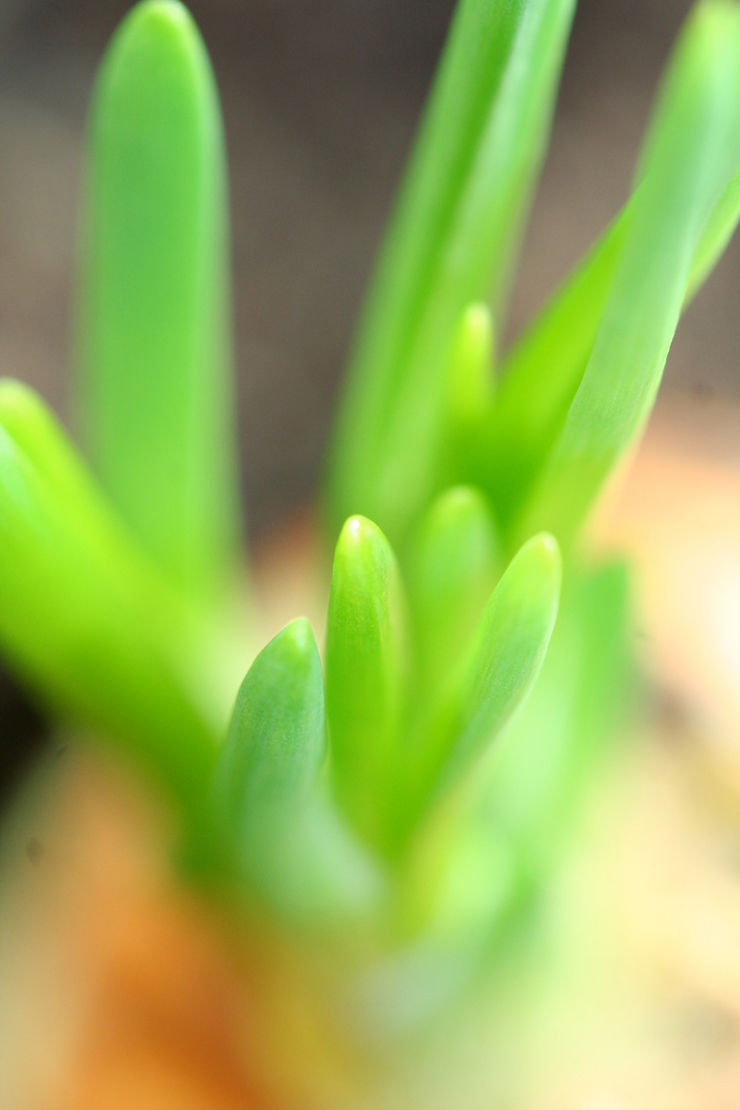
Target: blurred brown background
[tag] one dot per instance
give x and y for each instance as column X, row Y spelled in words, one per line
column 321, row 100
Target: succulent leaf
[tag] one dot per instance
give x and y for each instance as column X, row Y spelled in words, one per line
column 365, row 673
column 155, row 391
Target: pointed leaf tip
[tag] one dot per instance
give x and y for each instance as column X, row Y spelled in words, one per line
column 276, row 735
column 364, row 672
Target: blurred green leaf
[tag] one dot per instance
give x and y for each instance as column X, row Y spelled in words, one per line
column 310, row 870
column 450, row 244
column 718, row 231
column 538, row 785
column 275, row 743
column 155, row 391
column 469, row 396
column 540, row 375
column 692, row 154
column 495, row 677
column 284, row 841
column 512, row 640
column 84, row 619
column 365, row 673
column 542, row 372
column 453, row 568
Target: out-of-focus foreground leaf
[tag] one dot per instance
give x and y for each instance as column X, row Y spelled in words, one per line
column 284, row 839
column 496, row 675
column 84, row 619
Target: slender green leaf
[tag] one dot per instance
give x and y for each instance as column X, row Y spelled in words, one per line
column 692, row 153
column 471, row 366
column 450, row 244
column 542, row 372
column 537, row 785
column 275, row 743
column 364, row 673
column 84, row 619
column 469, row 397
column 539, row 377
column 514, row 634
column 155, row 386
column 454, row 567
column 718, row 231
column 496, row 675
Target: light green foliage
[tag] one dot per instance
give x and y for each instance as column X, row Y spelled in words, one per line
column 364, row 672
column 278, row 833
column 691, row 154
column 275, row 741
column 426, row 786
column 526, row 448
column 83, row 616
column 449, row 244
column 551, row 749
column 498, row 667
column 155, row 388
column 508, row 651
column 453, row 568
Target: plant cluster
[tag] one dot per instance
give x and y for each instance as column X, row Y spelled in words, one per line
column 413, row 788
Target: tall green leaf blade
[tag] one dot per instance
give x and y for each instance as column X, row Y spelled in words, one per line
column 450, row 244
column 718, row 231
column 365, row 673
column 693, row 152
column 84, row 620
column 155, row 392
column 540, row 375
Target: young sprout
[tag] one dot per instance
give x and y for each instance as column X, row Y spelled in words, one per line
column 443, row 732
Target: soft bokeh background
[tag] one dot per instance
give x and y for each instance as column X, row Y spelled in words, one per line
column 321, row 100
